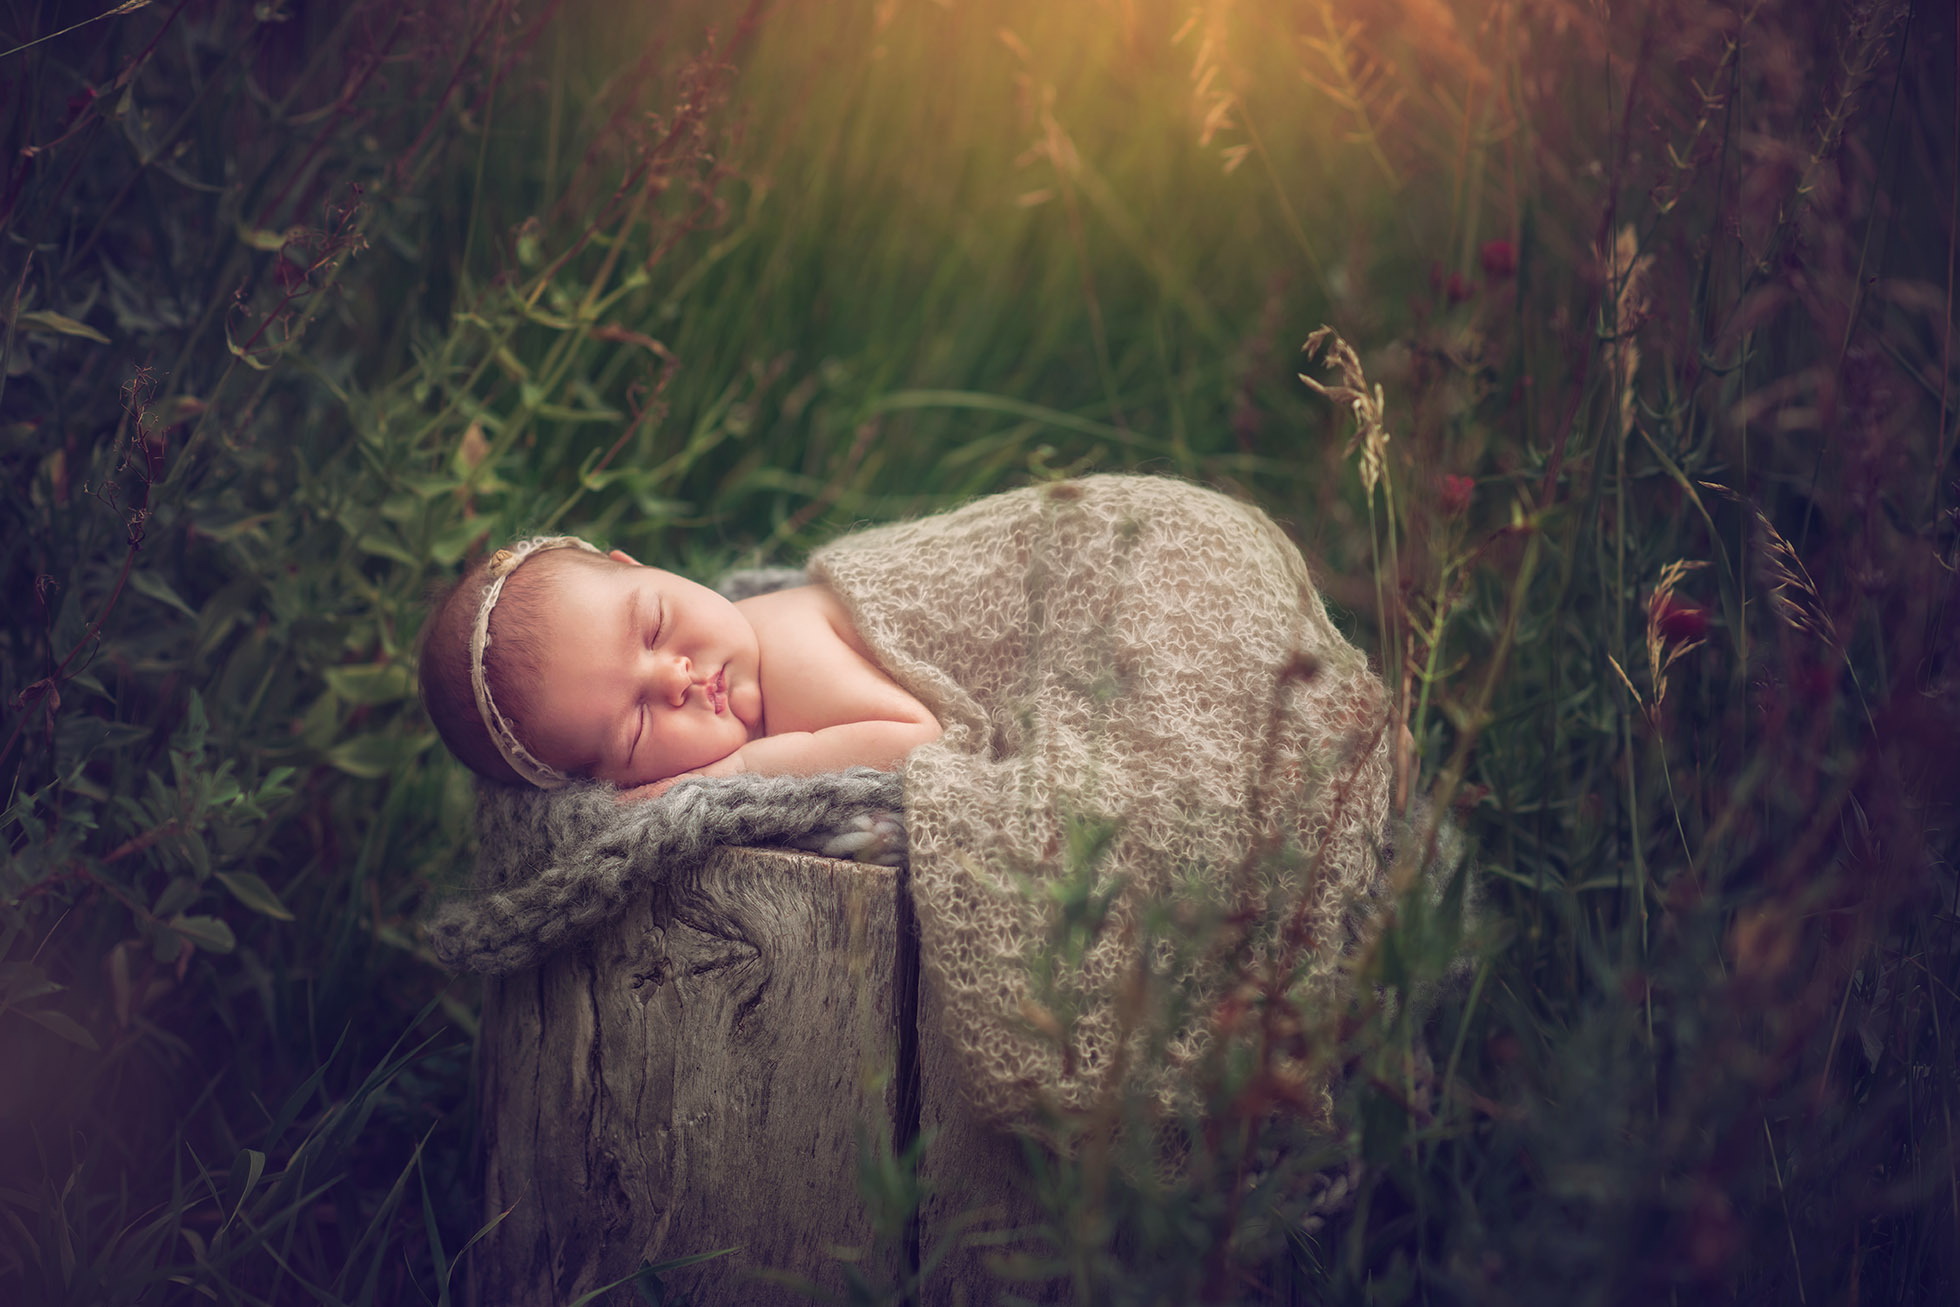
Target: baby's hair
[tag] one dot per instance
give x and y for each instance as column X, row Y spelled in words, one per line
column 513, row 659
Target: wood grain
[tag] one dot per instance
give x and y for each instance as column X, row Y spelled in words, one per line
column 697, row 1075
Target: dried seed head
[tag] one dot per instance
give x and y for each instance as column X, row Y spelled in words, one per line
column 1624, row 269
column 1792, row 594
column 1627, row 681
column 1370, row 436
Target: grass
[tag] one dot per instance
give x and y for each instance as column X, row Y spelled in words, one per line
column 303, row 305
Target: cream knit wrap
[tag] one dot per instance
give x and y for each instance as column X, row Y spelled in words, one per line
column 1127, row 649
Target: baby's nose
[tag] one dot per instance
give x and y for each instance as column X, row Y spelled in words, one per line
column 676, row 675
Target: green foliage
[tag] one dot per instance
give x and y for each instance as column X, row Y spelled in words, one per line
column 304, row 303
column 217, row 818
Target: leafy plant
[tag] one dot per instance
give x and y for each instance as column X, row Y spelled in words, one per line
column 1655, row 548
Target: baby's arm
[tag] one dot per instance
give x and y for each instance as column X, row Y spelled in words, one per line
column 881, row 744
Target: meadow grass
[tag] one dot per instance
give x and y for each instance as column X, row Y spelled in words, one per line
column 1655, row 549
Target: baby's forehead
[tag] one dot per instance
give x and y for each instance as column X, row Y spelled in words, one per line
column 563, row 570
column 536, row 596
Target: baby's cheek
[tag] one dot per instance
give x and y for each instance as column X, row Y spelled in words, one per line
column 746, row 704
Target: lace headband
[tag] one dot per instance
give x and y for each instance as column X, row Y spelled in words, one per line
column 502, row 563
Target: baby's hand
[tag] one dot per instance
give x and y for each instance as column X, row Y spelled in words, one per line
column 730, row 766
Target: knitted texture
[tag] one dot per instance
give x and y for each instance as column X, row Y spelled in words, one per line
column 552, row 865
column 1143, row 656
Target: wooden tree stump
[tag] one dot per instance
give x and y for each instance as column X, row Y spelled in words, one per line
column 701, row 1074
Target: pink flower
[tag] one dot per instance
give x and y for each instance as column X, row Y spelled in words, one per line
column 1500, row 259
column 1680, row 623
column 1455, row 492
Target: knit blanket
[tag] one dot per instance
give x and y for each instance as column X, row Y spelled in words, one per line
column 1144, row 704
column 552, row 865
column 1142, row 697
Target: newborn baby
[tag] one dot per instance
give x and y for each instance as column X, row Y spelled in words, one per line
column 553, row 662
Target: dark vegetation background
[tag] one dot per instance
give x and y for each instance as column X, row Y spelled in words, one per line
column 305, row 302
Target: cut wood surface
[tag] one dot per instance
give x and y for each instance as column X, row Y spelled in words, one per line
column 703, row 1074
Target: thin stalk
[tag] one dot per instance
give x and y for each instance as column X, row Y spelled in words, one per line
column 1434, row 636
column 1789, row 1228
column 1635, row 829
column 1667, row 777
column 1463, row 1032
column 1294, row 226
column 1381, row 600
column 1395, row 618
column 482, row 160
column 555, row 120
column 1946, row 1108
column 1478, row 717
column 1934, row 482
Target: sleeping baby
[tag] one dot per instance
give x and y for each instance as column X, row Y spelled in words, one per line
column 1131, row 656
column 553, row 661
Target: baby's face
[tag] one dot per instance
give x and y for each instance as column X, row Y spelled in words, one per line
column 646, row 672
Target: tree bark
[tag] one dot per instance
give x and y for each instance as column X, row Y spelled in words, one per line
column 706, row 1072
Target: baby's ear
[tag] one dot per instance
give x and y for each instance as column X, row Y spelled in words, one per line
column 621, row 556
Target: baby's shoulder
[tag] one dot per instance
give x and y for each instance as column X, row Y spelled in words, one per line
column 799, row 615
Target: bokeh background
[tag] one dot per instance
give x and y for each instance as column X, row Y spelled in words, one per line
column 1654, row 542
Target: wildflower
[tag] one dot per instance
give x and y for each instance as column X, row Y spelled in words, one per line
column 1370, row 436
column 1667, row 623
column 1674, row 630
column 1455, row 493
column 1500, row 260
column 1679, row 622
column 1459, row 288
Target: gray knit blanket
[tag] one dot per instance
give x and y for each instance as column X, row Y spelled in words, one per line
column 551, row 866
